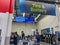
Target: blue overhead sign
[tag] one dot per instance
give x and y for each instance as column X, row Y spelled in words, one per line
column 32, row 7
column 25, row 19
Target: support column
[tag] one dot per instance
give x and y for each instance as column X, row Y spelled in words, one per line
column 9, row 28
column 58, row 15
column 3, row 26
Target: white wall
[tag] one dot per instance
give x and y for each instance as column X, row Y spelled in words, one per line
column 27, row 28
column 46, row 22
column 50, row 21
column 3, row 26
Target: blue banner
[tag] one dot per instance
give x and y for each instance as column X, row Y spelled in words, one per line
column 32, row 7
column 25, row 19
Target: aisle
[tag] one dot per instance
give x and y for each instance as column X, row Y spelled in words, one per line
column 42, row 43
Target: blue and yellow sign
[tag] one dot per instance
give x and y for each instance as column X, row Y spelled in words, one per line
column 31, row 7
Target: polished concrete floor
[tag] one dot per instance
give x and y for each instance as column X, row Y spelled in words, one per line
column 42, row 43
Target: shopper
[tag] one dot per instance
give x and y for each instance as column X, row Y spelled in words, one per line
column 12, row 39
column 38, row 38
column 52, row 36
column 36, row 31
column 22, row 35
column 17, row 34
column 15, row 38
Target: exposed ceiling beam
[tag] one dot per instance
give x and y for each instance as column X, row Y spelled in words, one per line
column 47, row 1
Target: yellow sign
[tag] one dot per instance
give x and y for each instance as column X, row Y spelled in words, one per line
column 38, row 8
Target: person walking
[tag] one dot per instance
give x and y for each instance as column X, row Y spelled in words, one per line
column 22, row 35
column 15, row 38
column 12, row 39
column 38, row 38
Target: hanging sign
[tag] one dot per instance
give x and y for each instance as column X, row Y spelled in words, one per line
column 37, row 8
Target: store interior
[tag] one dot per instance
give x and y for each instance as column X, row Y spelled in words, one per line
column 29, row 23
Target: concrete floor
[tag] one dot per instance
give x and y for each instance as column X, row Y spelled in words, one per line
column 42, row 43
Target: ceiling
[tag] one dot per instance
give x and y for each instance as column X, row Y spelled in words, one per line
column 47, row 1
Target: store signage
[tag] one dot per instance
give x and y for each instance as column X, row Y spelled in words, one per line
column 24, row 19
column 32, row 7
column 6, row 6
column 38, row 8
